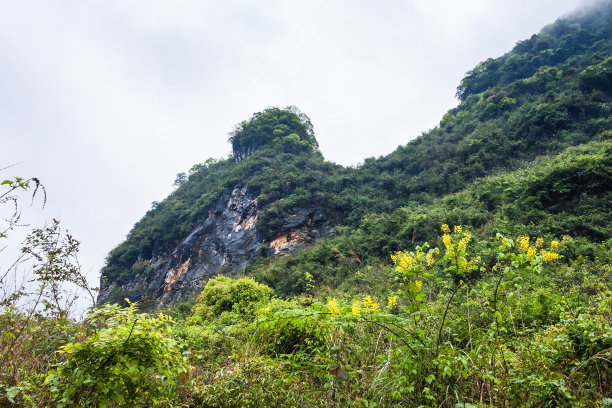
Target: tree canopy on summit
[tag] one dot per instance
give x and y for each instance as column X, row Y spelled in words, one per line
column 288, row 127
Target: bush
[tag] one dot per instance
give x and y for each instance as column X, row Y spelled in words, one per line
column 255, row 382
column 131, row 360
column 225, row 295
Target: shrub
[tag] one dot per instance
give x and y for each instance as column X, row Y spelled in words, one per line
column 225, row 295
column 130, row 361
column 255, row 382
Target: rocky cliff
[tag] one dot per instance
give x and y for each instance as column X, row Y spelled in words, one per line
column 222, row 242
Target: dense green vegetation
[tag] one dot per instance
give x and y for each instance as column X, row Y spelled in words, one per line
column 568, row 194
column 469, row 268
column 521, row 325
column 289, row 128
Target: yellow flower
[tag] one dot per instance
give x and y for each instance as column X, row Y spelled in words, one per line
column 430, row 259
column 531, row 251
column 407, row 261
column 549, row 256
column 447, row 241
column 403, row 261
column 523, row 243
column 445, row 229
column 458, row 229
column 566, row 238
column 539, row 242
column 356, row 308
column 418, row 284
column 370, row 305
column 391, row 302
column 554, row 244
column 333, row 306
column 463, row 243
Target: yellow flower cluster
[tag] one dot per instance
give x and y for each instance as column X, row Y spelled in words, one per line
column 549, row 256
column 333, row 306
column 450, row 249
column 463, row 242
column 370, row 305
column 457, row 251
column 447, row 241
column 430, row 259
column 356, row 308
column 418, row 284
column 523, row 243
column 391, row 302
column 403, row 261
column 539, row 242
column 367, row 305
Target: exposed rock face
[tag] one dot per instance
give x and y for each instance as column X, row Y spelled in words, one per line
column 300, row 228
column 222, row 243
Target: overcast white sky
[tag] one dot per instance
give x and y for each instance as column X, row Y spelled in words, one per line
column 106, row 101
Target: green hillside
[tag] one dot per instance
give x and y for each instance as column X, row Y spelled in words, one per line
column 559, row 96
column 568, row 194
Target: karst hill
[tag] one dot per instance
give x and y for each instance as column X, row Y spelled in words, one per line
column 527, row 148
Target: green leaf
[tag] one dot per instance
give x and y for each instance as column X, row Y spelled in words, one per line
column 343, row 374
column 50, row 378
column 11, row 393
column 8, row 335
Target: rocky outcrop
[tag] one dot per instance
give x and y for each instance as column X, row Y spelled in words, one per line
column 223, row 242
column 299, row 228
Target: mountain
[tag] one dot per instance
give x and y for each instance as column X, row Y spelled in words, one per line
column 526, row 149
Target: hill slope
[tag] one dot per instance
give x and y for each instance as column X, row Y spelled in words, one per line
column 277, row 194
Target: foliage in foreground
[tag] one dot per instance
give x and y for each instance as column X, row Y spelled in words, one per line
column 128, row 359
column 514, row 328
column 518, row 329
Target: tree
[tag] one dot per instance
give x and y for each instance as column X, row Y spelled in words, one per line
column 268, row 127
column 180, row 179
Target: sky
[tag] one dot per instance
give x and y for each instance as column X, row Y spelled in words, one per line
column 105, row 101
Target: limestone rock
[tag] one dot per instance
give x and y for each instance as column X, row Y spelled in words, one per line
column 223, row 242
